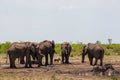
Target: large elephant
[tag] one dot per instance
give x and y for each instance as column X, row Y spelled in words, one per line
column 43, row 49
column 65, row 52
column 93, row 51
column 19, row 50
column 34, row 55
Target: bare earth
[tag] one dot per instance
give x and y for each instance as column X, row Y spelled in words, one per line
column 74, row 71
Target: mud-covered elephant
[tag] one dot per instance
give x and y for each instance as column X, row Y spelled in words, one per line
column 65, row 52
column 19, row 50
column 93, row 51
column 45, row 48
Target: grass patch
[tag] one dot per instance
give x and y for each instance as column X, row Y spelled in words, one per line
column 113, row 78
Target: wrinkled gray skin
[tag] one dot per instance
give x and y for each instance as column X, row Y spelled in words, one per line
column 65, row 51
column 93, row 51
column 43, row 49
column 34, row 56
column 19, row 50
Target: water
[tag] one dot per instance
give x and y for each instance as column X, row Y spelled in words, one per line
column 4, row 65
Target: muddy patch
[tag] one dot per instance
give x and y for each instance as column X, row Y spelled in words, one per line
column 74, row 69
column 106, row 70
column 4, row 65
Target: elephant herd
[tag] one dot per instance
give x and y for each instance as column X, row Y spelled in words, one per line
column 46, row 48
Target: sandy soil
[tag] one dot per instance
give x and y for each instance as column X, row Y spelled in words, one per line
column 74, row 71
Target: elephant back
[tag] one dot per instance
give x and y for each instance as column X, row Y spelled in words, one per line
column 16, row 45
column 99, row 50
column 24, row 46
column 45, row 47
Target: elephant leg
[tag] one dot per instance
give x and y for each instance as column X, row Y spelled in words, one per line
column 96, row 60
column 101, row 61
column 39, row 58
column 26, row 64
column 28, row 61
column 91, row 60
column 39, row 61
column 62, row 58
column 67, row 59
column 14, row 63
column 22, row 60
column 83, row 57
column 10, row 59
column 51, row 59
column 46, row 58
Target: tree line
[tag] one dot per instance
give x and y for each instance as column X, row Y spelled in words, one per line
column 110, row 49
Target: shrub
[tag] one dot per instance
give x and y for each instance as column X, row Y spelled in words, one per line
column 113, row 49
column 113, row 78
column 4, row 46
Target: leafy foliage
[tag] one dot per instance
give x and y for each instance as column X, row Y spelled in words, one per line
column 76, row 49
column 113, row 49
column 4, row 46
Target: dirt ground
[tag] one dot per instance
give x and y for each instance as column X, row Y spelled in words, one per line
column 74, row 71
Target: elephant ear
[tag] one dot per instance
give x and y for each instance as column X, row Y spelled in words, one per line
column 53, row 43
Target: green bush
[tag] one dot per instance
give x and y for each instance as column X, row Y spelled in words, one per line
column 113, row 78
column 113, row 49
column 4, row 46
column 57, row 49
column 76, row 49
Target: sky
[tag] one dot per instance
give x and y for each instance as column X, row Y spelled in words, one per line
column 60, row 20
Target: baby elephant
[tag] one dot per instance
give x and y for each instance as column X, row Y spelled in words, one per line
column 93, row 51
column 65, row 51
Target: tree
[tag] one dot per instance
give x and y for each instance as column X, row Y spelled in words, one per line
column 110, row 41
column 98, row 42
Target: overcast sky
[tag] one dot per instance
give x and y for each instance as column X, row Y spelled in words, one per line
column 60, row 20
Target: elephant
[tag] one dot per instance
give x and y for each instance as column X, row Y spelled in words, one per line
column 34, row 56
column 19, row 50
column 93, row 51
column 43, row 49
column 65, row 52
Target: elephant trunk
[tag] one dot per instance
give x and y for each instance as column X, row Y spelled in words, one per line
column 66, row 51
column 41, row 53
column 83, row 57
